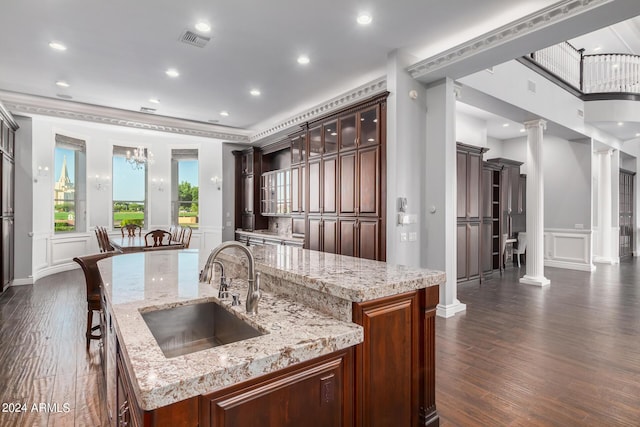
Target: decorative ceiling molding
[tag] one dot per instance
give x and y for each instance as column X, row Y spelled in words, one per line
column 28, row 104
column 528, row 24
column 362, row 92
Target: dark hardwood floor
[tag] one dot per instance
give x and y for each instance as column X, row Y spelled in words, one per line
column 568, row 355
column 43, row 357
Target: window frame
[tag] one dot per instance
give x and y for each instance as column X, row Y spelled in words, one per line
column 62, row 140
column 178, row 155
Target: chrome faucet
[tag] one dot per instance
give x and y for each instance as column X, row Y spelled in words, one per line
column 253, row 277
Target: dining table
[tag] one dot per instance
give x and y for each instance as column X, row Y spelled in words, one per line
column 137, row 244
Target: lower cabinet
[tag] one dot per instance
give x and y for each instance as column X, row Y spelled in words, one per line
column 316, row 393
column 395, row 365
column 323, row 234
column 360, row 237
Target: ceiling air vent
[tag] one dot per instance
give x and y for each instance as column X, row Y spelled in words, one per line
column 580, row 113
column 147, row 110
column 194, row 39
column 531, row 86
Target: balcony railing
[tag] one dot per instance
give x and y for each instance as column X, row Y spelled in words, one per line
column 590, row 74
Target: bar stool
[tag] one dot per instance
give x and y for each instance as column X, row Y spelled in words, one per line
column 93, row 282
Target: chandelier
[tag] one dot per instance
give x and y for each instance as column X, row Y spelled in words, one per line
column 139, row 157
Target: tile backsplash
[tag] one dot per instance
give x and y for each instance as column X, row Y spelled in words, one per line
column 281, row 226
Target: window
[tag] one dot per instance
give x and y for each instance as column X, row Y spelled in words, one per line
column 129, row 189
column 184, row 193
column 69, row 192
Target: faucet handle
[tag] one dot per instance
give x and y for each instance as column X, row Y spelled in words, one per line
column 235, row 299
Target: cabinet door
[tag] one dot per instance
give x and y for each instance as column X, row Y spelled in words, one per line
column 475, row 185
column 314, row 186
column 315, row 142
column 388, row 394
column 7, row 252
column 329, row 172
column 295, row 190
column 247, row 163
column 347, row 228
column 461, row 251
column 7, row 185
column 348, row 183
column 330, row 136
column 314, row 394
column 314, row 236
column 330, row 235
column 247, row 194
column 522, row 194
column 368, row 124
column 368, row 239
column 348, row 132
column 462, row 184
column 368, row 181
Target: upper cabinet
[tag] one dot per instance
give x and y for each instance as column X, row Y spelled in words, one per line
column 276, row 192
column 248, row 190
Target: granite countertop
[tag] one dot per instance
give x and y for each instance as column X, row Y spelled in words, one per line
column 147, row 281
column 306, row 308
column 271, row 235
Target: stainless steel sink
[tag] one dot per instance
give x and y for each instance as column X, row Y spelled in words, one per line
column 190, row 328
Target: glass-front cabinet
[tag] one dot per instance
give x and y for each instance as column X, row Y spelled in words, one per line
column 276, row 192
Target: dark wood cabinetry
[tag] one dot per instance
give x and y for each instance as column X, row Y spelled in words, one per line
column 8, row 128
column 395, row 365
column 316, row 393
column 345, row 172
column 248, row 190
column 490, row 250
column 469, row 220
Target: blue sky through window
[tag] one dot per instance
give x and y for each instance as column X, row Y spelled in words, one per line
column 60, row 153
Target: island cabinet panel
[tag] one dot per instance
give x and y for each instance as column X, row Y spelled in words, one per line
column 315, row 393
column 395, row 365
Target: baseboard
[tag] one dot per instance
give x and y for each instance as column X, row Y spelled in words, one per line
column 22, row 282
column 569, row 265
column 606, row 260
column 54, row 269
column 535, row 281
column 450, row 310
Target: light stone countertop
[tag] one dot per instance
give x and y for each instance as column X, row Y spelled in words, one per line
column 308, row 316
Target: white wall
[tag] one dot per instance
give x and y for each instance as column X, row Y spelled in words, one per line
column 54, row 252
column 471, row 130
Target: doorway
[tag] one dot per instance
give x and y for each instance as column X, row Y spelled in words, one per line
column 627, row 179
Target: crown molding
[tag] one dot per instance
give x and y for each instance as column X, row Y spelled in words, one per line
column 7, row 117
column 528, row 24
column 339, row 102
column 30, row 104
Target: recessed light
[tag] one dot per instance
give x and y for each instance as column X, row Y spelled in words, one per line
column 303, row 59
column 597, row 48
column 62, row 83
column 620, row 123
column 154, row 100
column 505, row 125
column 172, row 72
column 57, row 46
column 637, row 134
column 334, row 133
column 203, row 26
column 370, row 139
column 224, row 113
column 364, row 19
column 255, row 92
column 615, row 66
column 522, row 130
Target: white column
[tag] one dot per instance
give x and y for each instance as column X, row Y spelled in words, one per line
column 439, row 250
column 605, row 205
column 535, row 205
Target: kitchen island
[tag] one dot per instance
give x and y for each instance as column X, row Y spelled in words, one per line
column 312, row 359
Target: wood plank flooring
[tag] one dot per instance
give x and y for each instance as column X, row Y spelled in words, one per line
column 568, row 355
column 43, row 357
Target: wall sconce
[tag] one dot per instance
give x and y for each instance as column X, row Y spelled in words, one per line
column 158, row 184
column 102, row 183
column 217, row 181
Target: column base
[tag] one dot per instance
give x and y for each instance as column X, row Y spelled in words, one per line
column 606, row 260
column 451, row 309
column 535, row 281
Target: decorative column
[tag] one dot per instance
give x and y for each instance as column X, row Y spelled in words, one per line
column 605, row 204
column 535, row 205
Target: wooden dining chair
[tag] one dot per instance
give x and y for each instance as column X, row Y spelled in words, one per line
column 93, row 282
column 156, row 238
column 186, row 236
column 131, row 229
column 103, row 239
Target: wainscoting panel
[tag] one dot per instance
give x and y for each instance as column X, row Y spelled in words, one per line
column 568, row 248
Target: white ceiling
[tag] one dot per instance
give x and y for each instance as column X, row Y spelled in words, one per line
column 118, row 50
column 623, row 37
